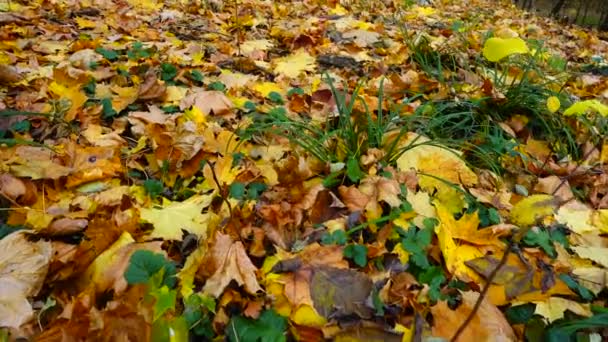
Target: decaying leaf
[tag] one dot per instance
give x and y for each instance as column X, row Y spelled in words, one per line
column 231, row 262
column 488, row 324
column 23, row 268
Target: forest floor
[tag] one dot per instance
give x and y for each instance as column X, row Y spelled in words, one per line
column 301, row 170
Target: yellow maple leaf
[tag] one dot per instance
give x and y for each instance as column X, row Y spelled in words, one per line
column 292, row 66
column 597, row 254
column 84, row 23
column 76, row 97
column 577, row 218
column 527, row 211
column 265, row 88
column 554, row 308
column 455, row 255
column 441, row 165
column 169, row 220
column 250, row 46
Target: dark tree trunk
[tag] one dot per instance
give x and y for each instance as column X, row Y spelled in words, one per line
column 557, row 8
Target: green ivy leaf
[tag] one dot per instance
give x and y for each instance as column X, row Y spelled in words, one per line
column 219, row 86
column 197, row 76
column 237, row 190
column 168, row 71
column 269, row 327
column 110, row 55
column 520, row 314
column 542, row 239
column 153, row 187
column 144, row 264
column 584, row 292
column 358, row 253
column 255, row 189
column 275, row 97
column 107, row 110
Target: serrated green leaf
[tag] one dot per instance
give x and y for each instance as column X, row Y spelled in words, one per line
column 144, row 264
column 164, row 300
column 269, row 327
column 110, row 55
column 237, row 190
column 358, row 253
column 153, row 187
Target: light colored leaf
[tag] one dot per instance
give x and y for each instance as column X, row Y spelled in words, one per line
column 583, row 107
column 555, row 307
column 496, row 49
column 169, row 220
column 23, row 268
column 292, row 66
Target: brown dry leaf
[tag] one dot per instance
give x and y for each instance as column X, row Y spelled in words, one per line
column 65, row 226
column 340, row 292
column 11, row 187
column 23, row 268
column 9, row 74
column 208, row 101
column 488, row 324
column 549, row 185
column 231, row 262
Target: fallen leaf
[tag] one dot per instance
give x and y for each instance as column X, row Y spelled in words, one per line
column 496, row 49
column 231, row 263
column 23, row 268
column 488, row 323
column 292, row 66
column 555, row 307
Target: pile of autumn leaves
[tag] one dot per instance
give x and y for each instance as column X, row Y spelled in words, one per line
column 262, row 245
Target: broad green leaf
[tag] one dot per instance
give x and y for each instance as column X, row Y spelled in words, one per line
column 353, row 171
column 583, row 107
column 164, row 300
column 496, row 49
column 144, row 264
column 269, row 327
column 358, row 253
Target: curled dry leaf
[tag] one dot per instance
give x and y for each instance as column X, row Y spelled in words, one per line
column 488, row 324
column 231, row 263
column 23, row 268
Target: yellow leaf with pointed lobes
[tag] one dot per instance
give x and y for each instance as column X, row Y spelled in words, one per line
column 531, row 209
column 294, row 65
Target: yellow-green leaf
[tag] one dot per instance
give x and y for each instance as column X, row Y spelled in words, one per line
column 582, row 107
column 172, row 218
column 496, row 49
column 527, row 211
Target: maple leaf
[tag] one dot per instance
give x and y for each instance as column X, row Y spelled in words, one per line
column 488, row 323
column 172, row 217
column 456, row 255
column 231, row 263
column 292, row 66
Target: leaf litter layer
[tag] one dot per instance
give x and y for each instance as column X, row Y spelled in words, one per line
column 268, row 171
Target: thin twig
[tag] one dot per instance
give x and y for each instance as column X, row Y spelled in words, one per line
column 503, row 261
column 483, row 293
